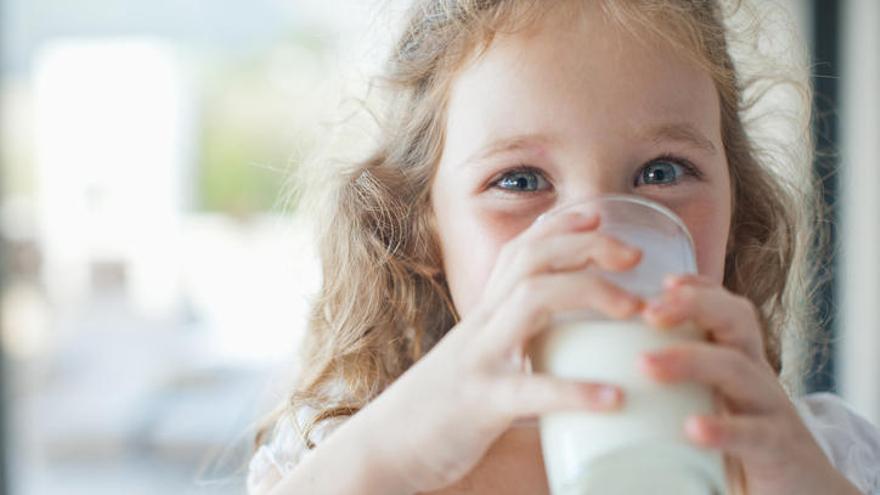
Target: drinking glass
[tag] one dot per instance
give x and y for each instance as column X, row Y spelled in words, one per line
column 640, row 448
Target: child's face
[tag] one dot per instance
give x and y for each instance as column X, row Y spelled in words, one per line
column 589, row 110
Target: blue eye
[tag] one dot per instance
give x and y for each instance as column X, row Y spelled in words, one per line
column 664, row 172
column 521, row 180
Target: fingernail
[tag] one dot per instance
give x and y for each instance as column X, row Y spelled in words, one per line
column 702, row 429
column 629, row 253
column 655, row 306
column 671, row 281
column 583, row 218
column 653, row 359
column 607, row 395
column 693, row 427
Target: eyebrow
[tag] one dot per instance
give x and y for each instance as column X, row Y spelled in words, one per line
column 682, row 132
column 505, row 145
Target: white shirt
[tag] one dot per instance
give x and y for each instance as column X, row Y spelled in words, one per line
column 851, row 443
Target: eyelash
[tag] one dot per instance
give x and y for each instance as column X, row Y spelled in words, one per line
column 689, row 169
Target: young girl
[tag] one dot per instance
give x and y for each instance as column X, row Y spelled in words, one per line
column 436, row 274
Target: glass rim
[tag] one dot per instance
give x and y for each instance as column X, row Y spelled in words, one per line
column 654, row 205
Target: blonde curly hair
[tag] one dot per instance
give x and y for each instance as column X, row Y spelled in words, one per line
column 384, row 303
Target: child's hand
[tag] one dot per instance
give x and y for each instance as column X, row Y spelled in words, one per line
column 440, row 417
column 759, row 425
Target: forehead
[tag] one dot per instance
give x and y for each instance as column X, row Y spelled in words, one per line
column 576, row 75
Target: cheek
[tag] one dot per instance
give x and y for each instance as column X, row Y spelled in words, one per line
column 708, row 222
column 471, row 238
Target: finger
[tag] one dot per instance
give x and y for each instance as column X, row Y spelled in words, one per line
column 572, row 251
column 679, row 279
column 531, row 305
column 737, row 378
column 521, row 395
column 509, row 268
column 728, row 319
column 746, row 436
column 554, row 223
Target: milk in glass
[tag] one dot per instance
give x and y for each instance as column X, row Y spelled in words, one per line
column 640, row 448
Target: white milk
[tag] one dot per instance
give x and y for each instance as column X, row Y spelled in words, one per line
column 640, row 448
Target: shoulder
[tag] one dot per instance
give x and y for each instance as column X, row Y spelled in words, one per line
column 285, row 449
column 851, row 442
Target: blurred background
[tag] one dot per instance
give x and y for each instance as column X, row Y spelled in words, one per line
column 155, row 271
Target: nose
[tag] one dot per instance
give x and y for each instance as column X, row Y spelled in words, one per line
column 584, row 190
column 596, row 171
